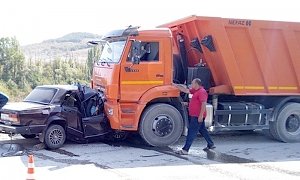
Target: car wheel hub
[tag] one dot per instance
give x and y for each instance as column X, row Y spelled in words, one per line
column 162, row 126
column 56, row 136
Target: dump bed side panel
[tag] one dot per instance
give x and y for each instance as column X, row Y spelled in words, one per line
column 251, row 58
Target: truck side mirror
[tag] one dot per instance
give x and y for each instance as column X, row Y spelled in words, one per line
column 136, row 51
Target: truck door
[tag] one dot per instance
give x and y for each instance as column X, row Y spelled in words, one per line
column 136, row 79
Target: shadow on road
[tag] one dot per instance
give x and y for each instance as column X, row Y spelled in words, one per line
column 237, row 147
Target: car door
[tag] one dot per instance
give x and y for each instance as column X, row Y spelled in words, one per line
column 71, row 111
column 94, row 123
column 72, row 116
column 95, row 126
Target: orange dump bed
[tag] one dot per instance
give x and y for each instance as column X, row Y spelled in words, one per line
column 252, row 57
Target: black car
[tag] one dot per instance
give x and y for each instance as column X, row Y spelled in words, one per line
column 57, row 112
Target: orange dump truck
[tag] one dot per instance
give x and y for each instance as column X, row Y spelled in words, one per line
column 249, row 67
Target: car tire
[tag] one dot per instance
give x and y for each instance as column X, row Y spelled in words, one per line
column 161, row 125
column 28, row 136
column 286, row 127
column 55, row 136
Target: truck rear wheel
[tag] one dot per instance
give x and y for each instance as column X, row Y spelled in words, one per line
column 286, row 127
column 161, row 125
column 55, row 136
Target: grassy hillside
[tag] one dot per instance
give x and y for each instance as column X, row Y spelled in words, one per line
column 71, row 46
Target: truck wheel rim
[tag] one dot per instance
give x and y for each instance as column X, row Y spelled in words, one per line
column 56, row 137
column 293, row 124
column 162, row 126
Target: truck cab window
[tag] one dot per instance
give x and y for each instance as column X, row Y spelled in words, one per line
column 151, row 52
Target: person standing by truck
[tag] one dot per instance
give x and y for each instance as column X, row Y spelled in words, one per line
column 197, row 113
column 3, row 99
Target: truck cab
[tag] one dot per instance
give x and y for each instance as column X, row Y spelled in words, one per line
column 135, row 73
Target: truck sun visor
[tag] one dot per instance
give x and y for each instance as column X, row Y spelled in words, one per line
column 130, row 31
column 207, row 41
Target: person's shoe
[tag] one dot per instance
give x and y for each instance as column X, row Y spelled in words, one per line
column 182, row 152
column 209, row 148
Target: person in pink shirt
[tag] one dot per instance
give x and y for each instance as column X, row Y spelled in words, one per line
column 197, row 113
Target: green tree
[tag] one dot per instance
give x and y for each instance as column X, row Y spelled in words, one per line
column 12, row 61
column 18, row 77
column 93, row 55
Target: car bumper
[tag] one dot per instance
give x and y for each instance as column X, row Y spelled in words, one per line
column 10, row 129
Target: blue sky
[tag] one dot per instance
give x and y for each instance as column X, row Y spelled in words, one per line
column 32, row 21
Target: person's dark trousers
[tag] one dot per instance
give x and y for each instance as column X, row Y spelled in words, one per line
column 3, row 100
column 194, row 128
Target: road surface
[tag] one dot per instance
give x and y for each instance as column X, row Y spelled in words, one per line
column 237, row 156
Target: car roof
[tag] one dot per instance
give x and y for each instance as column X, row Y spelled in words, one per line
column 64, row 87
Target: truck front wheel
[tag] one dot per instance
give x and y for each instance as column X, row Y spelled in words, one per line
column 55, row 136
column 161, row 125
column 286, row 127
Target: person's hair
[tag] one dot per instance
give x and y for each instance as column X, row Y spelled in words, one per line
column 198, row 81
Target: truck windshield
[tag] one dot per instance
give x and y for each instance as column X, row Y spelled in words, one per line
column 41, row 95
column 112, row 51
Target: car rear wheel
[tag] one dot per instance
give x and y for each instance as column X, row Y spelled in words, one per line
column 28, row 136
column 55, row 136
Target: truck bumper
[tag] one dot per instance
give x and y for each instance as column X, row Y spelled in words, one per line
column 10, row 129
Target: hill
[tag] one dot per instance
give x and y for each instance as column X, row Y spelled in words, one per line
column 73, row 45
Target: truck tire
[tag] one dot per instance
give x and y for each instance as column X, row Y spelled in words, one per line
column 272, row 131
column 286, row 127
column 161, row 125
column 28, row 136
column 55, row 136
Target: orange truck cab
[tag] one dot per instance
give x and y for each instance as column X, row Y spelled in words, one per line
column 249, row 67
column 135, row 73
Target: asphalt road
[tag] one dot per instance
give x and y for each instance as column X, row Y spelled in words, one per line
column 237, row 156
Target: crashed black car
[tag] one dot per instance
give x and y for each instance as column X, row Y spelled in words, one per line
column 57, row 112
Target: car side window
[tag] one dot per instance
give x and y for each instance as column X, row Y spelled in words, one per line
column 71, row 100
column 150, row 52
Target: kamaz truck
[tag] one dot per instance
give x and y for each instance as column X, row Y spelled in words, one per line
column 251, row 69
